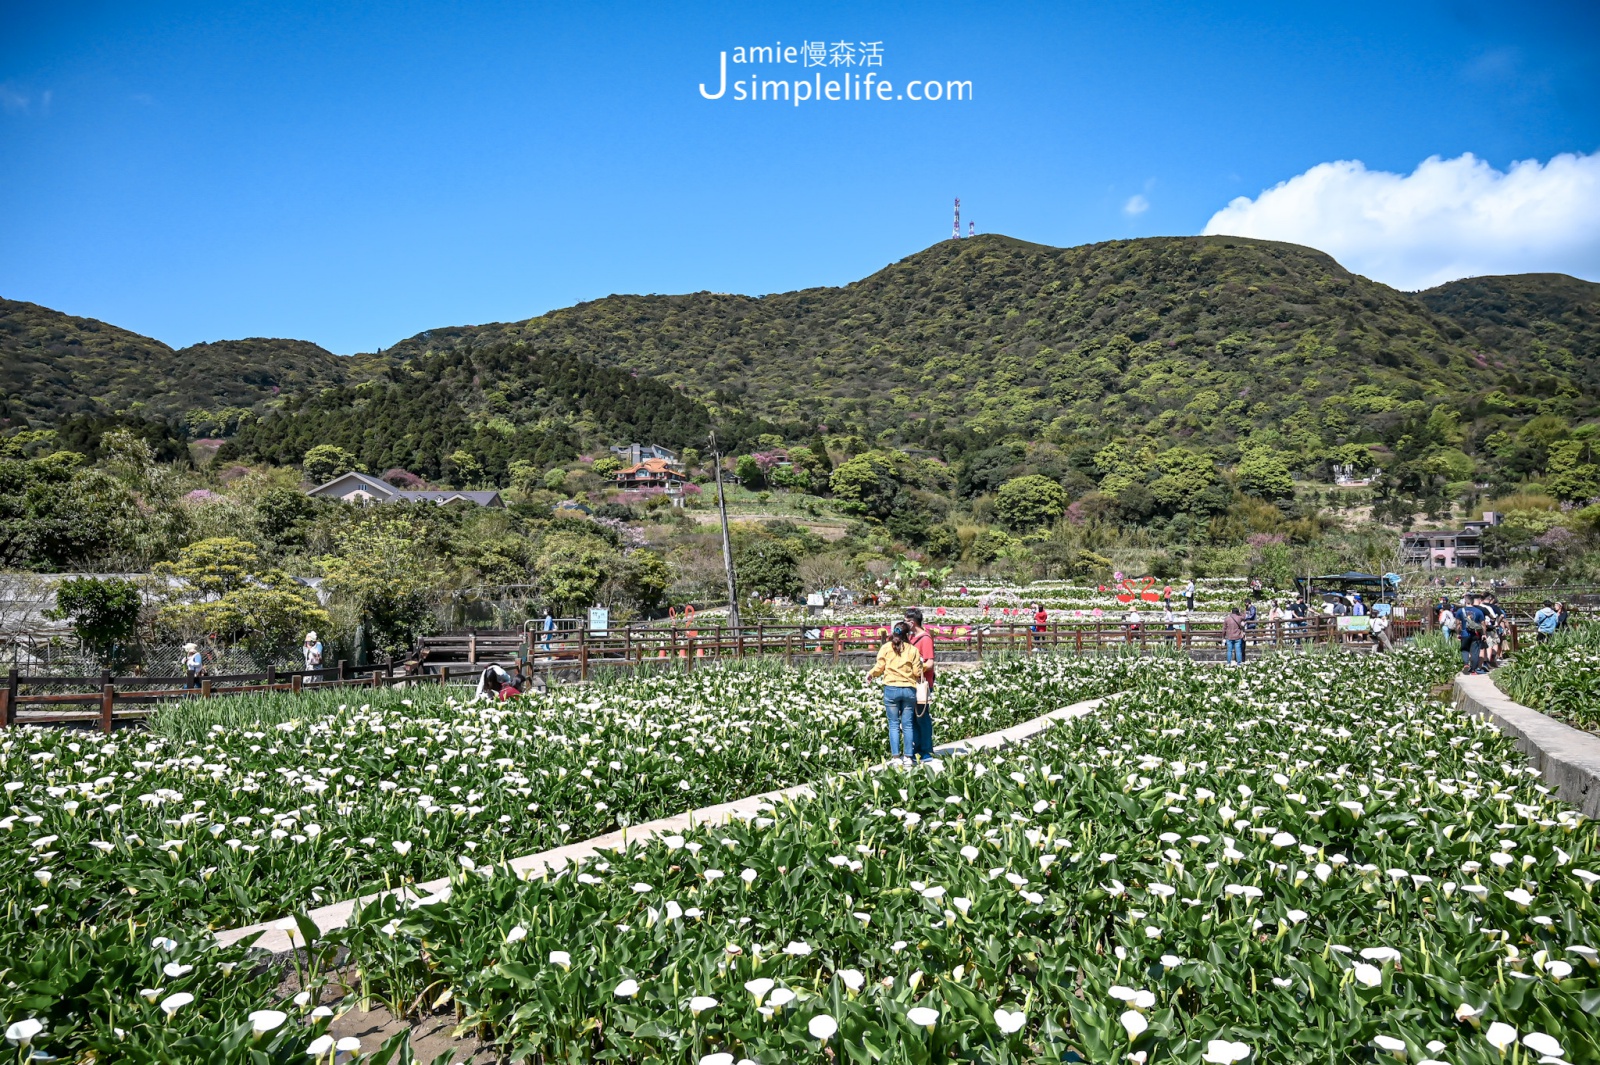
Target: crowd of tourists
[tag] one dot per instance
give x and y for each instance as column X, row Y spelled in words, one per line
column 1484, row 628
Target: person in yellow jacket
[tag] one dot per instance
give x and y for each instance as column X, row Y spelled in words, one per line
column 901, row 667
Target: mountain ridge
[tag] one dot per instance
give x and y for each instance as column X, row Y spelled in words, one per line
column 1203, row 341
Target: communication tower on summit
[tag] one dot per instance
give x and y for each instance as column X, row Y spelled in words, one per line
column 955, row 227
column 972, row 229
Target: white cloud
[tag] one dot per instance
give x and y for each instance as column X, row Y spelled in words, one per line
column 12, row 100
column 1136, row 205
column 1449, row 218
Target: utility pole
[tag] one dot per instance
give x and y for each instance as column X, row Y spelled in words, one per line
column 727, row 546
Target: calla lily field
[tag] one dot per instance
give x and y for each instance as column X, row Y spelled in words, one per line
column 1308, row 859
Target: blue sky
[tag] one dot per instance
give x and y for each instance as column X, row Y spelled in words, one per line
column 352, row 174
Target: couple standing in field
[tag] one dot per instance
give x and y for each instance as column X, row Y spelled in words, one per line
column 905, row 662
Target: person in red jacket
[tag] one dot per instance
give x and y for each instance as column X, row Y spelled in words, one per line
column 922, row 718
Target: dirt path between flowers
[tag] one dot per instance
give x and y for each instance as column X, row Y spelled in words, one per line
column 432, row 1035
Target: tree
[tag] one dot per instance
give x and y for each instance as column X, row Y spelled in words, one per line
column 104, row 613
column 385, row 575
column 606, row 467
column 767, row 567
column 282, row 515
column 1265, row 475
column 572, row 566
column 214, row 567
column 55, row 514
column 1568, row 477
column 225, row 589
column 1025, row 503
column 749, row 472
column 1184, row 477
column 326, row 461
column 640, row 582
column 468, row 470
column 866, row 485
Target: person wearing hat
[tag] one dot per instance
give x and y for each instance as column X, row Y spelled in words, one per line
column 193, row 665
column 312, row 650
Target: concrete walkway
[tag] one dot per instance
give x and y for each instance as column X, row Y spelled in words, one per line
column 338, row 914
column 1569, row 758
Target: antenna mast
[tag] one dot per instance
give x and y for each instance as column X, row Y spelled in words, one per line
column 955, row 228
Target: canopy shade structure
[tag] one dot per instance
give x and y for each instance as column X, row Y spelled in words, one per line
column 1370, row 585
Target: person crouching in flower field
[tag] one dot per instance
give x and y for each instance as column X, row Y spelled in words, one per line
column 902, row 669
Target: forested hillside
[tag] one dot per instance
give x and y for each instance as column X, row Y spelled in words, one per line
column 53, row 365
column 1202, row 340
column 498, row 403
column 1548, row 325
column 1208, row 343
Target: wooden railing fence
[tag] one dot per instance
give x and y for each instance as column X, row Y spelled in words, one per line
column 105, row 700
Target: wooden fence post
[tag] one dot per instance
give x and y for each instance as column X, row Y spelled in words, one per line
column 472, row 648
column 108, row 695
column 583, row 654
column 295, row 680
column 344, row 670
column 272, row 677
column 10, row 716
column 205, row 687
column 980, row 645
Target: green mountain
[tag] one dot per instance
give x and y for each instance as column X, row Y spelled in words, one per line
column 1547, row 325
column 1196, row 340
column 53, row 365
column 497, row 402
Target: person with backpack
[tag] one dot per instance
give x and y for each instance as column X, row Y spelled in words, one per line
column 1473, row 623
column 1545, row 620
column 1188, row 595
column 902, row 669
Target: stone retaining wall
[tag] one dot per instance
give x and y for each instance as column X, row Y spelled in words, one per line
column 1568, row 758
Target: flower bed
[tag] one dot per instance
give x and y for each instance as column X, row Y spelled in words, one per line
column 1303, row 860
column 1560, row 678
column 238, row 810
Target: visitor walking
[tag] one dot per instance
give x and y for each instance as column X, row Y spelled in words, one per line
column 1471, row 625
column 922, row 716
column 1545, row 620
column 1041, row 625
column 1299, row 612
column 1493, row 630
column 311, row 651
column 1135, row 621
column 1563, row 619
column 902, row 669
column 1188, row 595
column 1233, row 636
column 1250, row 615
column 547, row 627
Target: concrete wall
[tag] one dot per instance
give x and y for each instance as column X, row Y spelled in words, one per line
column 1568, row 758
